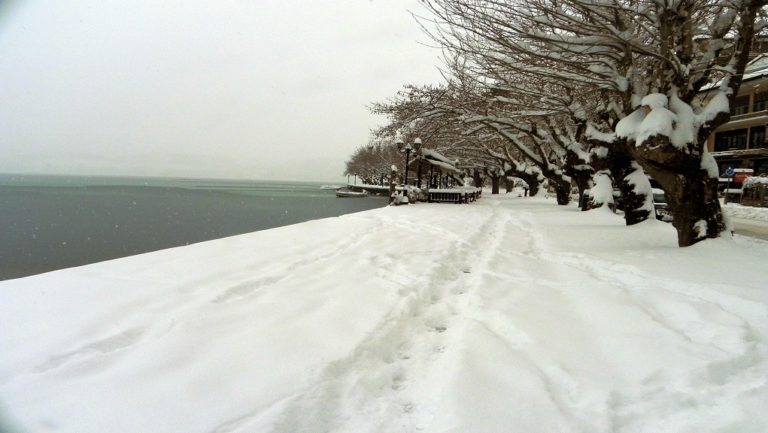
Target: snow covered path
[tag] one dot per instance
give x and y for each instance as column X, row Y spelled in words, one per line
column 507, row 315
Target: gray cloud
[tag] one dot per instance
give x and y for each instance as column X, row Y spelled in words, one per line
column 233, row 88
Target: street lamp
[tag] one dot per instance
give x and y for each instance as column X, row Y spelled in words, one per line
column 417, row 146
column 407, row 150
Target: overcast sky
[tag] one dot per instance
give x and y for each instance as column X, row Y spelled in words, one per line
column 260, row 89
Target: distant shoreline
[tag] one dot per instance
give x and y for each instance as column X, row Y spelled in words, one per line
column 161, row 178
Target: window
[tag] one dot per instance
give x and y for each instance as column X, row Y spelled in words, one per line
column 740, row 105
column 759, row 45
column 761, row 101
column 731, row 140
column 757, row 137
column 760, row 166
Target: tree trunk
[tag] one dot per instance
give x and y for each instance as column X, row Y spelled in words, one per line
column 495, row 181
column 619, row 162
column 700, row 216
column 533, row 186
column 392, row 186
column 562, row 191
column 691, row 191
column 692, row 199
column 531, row 179
column 563, row 194
column 508, row 185
column 581, row 172
column 582, row 179
column 478, row 178
column 633, row 203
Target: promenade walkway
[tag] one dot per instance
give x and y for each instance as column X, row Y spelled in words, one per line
column 507, row 315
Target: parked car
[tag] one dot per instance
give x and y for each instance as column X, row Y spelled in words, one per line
column 660, row 205
column 755, row 191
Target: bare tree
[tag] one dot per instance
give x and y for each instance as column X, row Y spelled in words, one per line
column 644, row 62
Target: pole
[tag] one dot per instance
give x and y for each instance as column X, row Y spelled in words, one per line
column 418, row 173
column 407, row 154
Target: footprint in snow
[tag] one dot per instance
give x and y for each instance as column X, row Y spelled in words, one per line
column 438, row 328
column 398, row 382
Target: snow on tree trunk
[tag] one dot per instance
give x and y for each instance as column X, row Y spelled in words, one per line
column 690, row 187
column 635, row 188
column 602, row 191
column 669, row 145
column 637, row 195
column 628, row 177
column 695, row 207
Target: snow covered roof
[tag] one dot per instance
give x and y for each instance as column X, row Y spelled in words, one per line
column 754, row 181
column 439, row 160
column 756, row 68
column 758, row 64
column 740, row 153
column 431, row 154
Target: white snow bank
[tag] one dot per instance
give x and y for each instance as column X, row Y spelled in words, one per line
column 735, row 210
column 507, row 314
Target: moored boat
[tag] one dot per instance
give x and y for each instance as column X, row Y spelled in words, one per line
column 349, row 193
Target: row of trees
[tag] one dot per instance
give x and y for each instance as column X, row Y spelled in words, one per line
column 599, row 95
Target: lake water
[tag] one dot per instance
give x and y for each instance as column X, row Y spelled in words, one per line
column 54, row 222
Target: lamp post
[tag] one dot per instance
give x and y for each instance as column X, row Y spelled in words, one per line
column 407, row 150
column 417, row 146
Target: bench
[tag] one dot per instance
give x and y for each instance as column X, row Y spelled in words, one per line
column 454, row 195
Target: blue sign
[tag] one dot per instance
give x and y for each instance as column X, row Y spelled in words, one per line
column 729, row 172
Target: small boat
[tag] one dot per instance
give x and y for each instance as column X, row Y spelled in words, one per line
column 330, row 187
column 349, row 193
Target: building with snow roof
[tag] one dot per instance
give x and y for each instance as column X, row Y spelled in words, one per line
column 741, row 143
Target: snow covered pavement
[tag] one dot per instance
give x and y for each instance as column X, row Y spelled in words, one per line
column 748, row 220
column 506, row 315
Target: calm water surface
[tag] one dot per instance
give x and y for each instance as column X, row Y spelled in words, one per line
column 54, row 222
